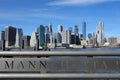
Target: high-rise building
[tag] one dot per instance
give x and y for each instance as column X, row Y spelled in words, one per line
column 46, row 29
column 50, row 28
column 66, row 36
column 84, row 29
column 76, row 29
column 33, row 40
column 93, row 38
column 60, row 28
column 57, row 37
column 41, row 35
column 2, row 35
column 75, row 39
column 26, row 41
column 19, row 34
column 10, row 36
column 100, row 34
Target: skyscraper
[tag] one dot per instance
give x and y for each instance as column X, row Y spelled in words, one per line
column 66, row 37
column 2, row 35
column 57, row 36
column 50, row 28
column 76, row 29
column 84, row 30
column 26, row 41
column 41, row 35
column 100, row 34
column 19, row 35
column 10, row 36
column 33, row 40
column 60, row 28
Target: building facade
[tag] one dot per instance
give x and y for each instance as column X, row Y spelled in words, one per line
column 26, row 41
column 100, row 34
column 41, row 35
column 57, row 37
column 75, row 39
column 84, row 29
column 113, row 40
column 33, row 40
column 19, row 35
column 50, row 28
column 2, row 35
column 60, row 28
column 76, row 29
column 66, row 37
column 10, row 36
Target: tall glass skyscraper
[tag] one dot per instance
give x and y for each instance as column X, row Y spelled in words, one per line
column 84, row 29
column 41, row 35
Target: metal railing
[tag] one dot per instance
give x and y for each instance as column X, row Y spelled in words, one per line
column 60, row 75
column 64, row 76
column 59, row 53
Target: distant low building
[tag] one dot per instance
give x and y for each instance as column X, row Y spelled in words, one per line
column 112, row 40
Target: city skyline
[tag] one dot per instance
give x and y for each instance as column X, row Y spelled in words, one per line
column 29, row 15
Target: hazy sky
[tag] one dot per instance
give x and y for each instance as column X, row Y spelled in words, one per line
column 29, row 14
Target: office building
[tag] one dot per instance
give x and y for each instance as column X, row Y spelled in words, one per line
column 26, row 41
column 100, row 34
column 2, row 35
column 75, row 39
column 76, row 29
column 50, row 28
column 33, row 40
column 113, row 40
column 93, row 38
column 47, row 37
column 60, row 28
column 10, row 36
column 84, row 30
column 41, row 35
column 57, row 37
column 46, row 29
column 66, row 36
column 19, row 35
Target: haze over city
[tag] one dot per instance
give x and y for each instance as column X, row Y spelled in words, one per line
column 30, row 14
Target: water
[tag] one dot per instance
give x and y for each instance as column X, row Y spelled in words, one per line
column 87, row 49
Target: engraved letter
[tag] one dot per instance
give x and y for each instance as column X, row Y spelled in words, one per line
column 8, row 66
